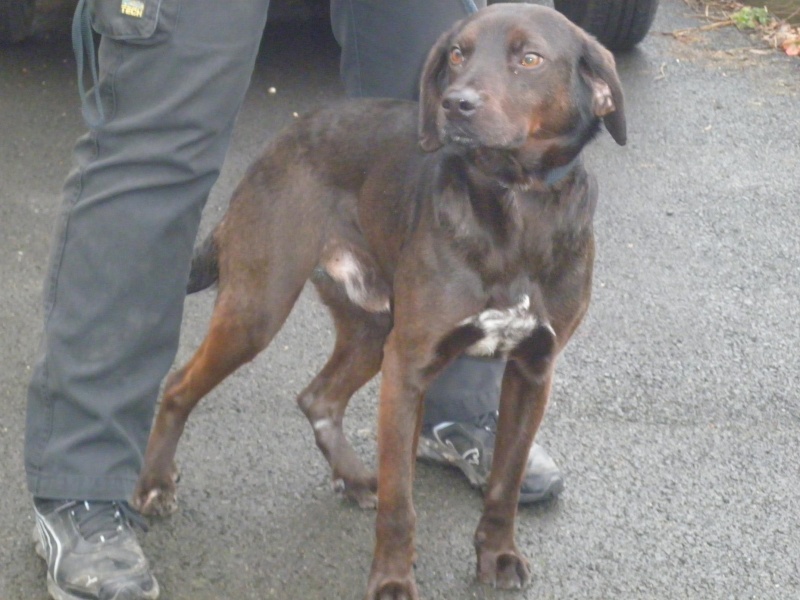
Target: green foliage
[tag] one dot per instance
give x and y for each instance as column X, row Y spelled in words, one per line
column 750, row 17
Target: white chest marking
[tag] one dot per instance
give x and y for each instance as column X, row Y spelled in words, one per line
column 503, row 329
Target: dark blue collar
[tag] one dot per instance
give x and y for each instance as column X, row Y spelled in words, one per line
column 556, row 175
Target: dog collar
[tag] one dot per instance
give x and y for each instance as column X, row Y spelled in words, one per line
column 554, row 176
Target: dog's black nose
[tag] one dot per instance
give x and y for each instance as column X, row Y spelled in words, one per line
column 461, row 103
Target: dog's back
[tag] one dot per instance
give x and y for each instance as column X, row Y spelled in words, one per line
column 318, row 167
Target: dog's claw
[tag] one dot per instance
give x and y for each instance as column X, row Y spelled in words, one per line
column 393, row 590
column 160, row 504
column 156, row 502
column 365, row 500
column 360, row 493
column 503, row 570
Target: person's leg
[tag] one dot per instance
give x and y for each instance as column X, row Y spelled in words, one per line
column 116, row 283
column 120, row 258
column 384, row 46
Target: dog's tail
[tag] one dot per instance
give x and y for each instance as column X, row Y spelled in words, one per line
column 205, row 266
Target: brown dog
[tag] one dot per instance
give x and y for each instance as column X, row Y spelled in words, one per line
column 472, row 233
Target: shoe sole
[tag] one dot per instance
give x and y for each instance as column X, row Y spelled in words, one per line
column 434, row 452
column 58, row 594
column 554, row 487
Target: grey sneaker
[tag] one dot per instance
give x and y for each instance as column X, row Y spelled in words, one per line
column 469, row 446
column 91, row 551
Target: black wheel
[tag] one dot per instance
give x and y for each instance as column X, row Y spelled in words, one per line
column 617, row 24
column 16, row 18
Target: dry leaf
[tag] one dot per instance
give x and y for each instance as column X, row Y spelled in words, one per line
column 791, row 47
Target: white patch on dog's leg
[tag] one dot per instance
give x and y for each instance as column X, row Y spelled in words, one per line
column 321, row 424
column 350, row 274
column 346, row 269
column 151, row 496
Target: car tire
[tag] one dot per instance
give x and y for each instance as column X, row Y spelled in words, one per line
column 617, row 24
column 16, row 19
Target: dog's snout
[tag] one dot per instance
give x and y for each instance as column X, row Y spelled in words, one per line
column 461, row 103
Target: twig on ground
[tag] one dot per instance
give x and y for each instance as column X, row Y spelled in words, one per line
column 778, row 33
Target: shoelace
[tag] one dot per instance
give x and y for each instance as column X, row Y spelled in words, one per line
column 487, row 421
column 103, row 520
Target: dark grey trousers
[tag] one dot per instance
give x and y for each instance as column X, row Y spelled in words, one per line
column 171, row 83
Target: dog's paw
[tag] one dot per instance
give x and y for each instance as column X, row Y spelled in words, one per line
column 156, row 499
column 156, row 503
column 392, row 589
column 363, row 493
column 507, row 570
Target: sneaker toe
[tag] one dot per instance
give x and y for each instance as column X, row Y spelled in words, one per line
column 543, row 479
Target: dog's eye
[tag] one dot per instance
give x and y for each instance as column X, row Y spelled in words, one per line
column 456, row 56
column 531, row 59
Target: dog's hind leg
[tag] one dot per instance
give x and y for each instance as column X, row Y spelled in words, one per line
column 246, row 317
column 356, row 358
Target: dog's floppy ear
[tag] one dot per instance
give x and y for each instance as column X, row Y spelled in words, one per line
column 600, row 73
column 431, row 90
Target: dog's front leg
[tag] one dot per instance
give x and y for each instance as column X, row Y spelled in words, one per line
column 523, row 400
column 399, row 419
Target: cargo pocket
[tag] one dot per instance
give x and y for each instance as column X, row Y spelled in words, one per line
column 119, row 22
column 134, row 21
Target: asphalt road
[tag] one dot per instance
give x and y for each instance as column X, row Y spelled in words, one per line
column 675, row 413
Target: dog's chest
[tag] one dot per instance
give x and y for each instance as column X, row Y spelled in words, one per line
column 502, row 330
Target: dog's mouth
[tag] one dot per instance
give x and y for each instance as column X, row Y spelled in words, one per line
column 457, row 134
column 458, row 139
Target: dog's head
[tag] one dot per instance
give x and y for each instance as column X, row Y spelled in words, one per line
column 521, row 78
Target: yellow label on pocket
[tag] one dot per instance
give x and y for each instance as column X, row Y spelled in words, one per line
column 132, row 8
